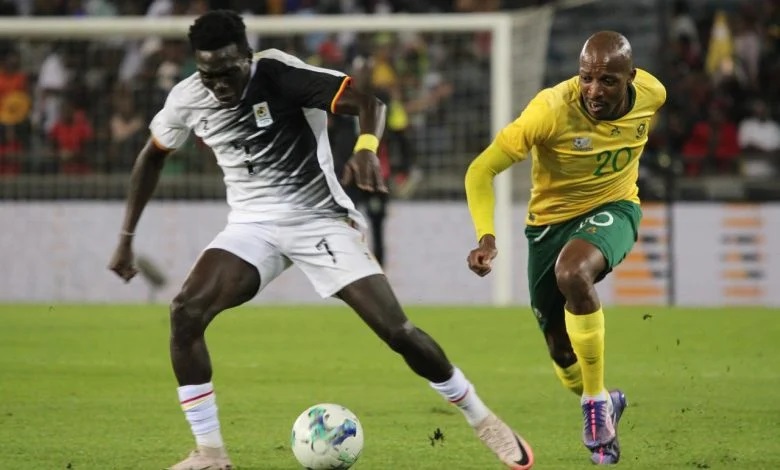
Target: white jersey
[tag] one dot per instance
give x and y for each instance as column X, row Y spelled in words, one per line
column 273, row 147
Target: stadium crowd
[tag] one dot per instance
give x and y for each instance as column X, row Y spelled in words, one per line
column 723, row 93
column 81, row 107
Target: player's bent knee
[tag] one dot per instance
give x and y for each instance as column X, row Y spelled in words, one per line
column 188, row 317
column 573, row 277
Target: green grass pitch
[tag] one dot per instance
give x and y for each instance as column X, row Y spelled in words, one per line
column 90, row 387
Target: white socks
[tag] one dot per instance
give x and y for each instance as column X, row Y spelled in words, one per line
column 200, row 408
column 459, row 391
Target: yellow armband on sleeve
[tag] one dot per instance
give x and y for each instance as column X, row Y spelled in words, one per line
column 479, row 187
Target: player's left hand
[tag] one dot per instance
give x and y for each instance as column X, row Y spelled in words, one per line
column 363, row 169
column 122, row 260
column 480, row 259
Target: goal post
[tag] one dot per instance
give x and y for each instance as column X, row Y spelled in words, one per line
column 517, row 53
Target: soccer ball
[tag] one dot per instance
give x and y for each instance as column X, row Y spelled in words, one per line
column 327, row 436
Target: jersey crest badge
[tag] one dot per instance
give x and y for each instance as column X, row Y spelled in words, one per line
column 582, row 143
column 262, row 114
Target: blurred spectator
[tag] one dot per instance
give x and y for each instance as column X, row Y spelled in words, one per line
column 54, row 79
column 14, row 111
column 433, row 102
column 683, row 28
column 398, row 141
column 330, row 54
column 759, row 139
column 467, row 77
column 747, row 47
column 127, row 132
column 138, row 53
column 398, row 146
column 13, row 81
column 712, row 145
column 759, row 132
column 683, row 56
column 172, row 58
column 69, row 138
column 308, row 8
column 383, row 74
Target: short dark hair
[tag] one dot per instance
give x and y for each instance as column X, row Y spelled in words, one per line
column 217, row 29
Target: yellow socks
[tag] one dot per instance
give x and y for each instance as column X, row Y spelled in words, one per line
column 571, row 377
column 586, row 333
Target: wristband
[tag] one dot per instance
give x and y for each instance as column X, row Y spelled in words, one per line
column 367, row 142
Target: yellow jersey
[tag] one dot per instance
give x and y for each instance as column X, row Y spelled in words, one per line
column 578, row 162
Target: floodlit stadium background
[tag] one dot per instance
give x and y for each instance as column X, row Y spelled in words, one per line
column 81, row 79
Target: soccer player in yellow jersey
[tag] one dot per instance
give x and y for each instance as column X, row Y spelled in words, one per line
column 585, row 136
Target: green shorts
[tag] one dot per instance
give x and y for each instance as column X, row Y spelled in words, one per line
column 612, row 228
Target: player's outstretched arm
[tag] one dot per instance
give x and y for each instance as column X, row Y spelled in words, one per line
column 481, row 202
column 363, row 168
column 143, row 181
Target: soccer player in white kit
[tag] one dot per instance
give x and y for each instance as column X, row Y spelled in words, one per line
column 265, row 117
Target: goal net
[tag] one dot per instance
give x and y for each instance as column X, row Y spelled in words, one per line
column 450, row 81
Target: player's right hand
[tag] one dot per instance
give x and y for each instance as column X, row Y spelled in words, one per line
column 365, row 171
column 122, row 261
column 480, row 259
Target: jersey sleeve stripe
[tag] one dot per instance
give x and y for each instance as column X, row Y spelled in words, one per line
column 344, row 84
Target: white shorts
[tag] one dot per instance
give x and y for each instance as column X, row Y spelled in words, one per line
column 332, row 253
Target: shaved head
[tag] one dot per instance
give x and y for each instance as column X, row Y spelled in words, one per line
column 608, row 46
column 606, row 72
